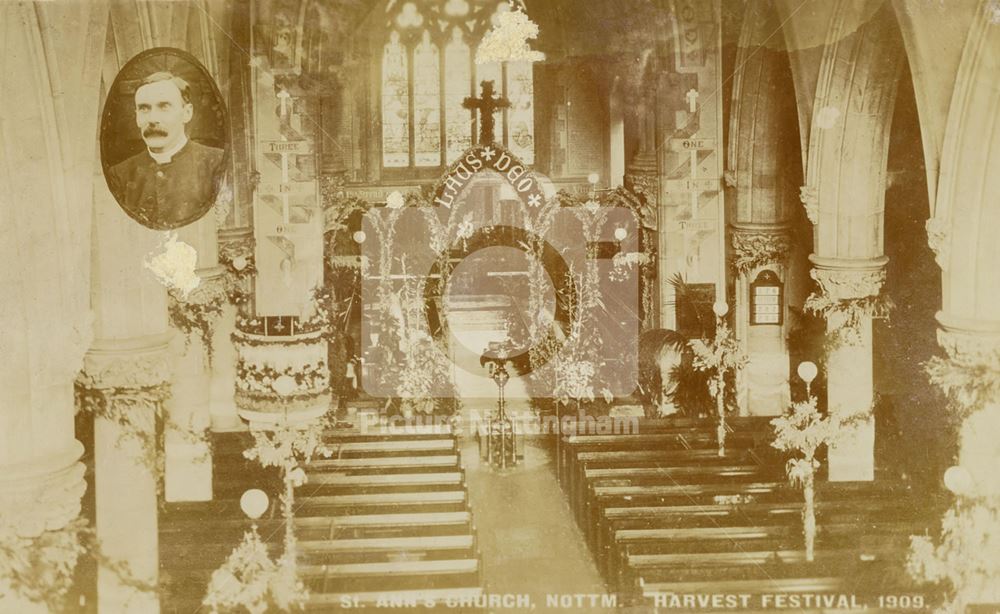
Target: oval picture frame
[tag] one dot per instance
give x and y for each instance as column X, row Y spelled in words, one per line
column 181, row 188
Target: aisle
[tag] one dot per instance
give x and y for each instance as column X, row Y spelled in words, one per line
column 528, row 540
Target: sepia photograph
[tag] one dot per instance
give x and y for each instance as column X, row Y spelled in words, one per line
column 490, row 306
column 164, row 139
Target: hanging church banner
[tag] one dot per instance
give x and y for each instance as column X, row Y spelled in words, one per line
column 288, row 220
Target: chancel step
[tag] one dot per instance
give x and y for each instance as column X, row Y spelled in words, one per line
column 386, row 516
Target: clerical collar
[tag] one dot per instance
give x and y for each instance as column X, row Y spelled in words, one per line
column 166, row 156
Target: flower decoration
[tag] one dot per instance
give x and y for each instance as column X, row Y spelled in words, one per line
column 803, row 430
column 174, row 266
column 964, row 562
column 395, row 200
column 508, row 40
column 250, row 580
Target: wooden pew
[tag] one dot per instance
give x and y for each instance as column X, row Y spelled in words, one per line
column 680, row 439
column 710, row 474
column 760, row 538
column 774, row 506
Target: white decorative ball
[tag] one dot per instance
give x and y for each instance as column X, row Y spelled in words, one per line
column 593, row 178
column 807, row 371
column 359, row 236
column 720, row 308
column 620, row 234
column 254, row 503
column 284, row 385
column 958, row 480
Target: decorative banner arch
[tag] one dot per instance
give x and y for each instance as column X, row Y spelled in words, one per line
column 491, row 157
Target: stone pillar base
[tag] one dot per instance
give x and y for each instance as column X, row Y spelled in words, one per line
column 188, row 472
column 126, row 514
column 852, row 459
column 767, row 384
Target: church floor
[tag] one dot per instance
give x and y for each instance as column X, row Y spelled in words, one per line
column 529, row 543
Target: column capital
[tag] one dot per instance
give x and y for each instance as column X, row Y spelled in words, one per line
column 809, row 195
column 235, row 244
column 937, row 239
column 134, row 363
column 969, row 341
column 211, row 289
column 846, row 279
column 757, row 245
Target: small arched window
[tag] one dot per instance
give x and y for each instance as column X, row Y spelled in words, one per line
column 428, row 70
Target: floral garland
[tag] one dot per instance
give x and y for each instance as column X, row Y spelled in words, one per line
column 318, row 313
column 965, row 559
column 240, row 268
column 337, row 205
column 758, row 249
column 121, row 406
column 198, row 318
column 718, row 357
column 623, row 261
column 970, row 382
column 288, row 447
column 254, row 379
column 246, row 326
column 804, row 430
column 40, row 569
column 850, row 312
column 250, row 580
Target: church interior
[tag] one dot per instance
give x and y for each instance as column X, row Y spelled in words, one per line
column 508, row 305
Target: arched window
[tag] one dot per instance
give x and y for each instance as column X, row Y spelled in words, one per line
column 428, row 70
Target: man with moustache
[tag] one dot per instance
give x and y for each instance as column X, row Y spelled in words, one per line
column 173, row 182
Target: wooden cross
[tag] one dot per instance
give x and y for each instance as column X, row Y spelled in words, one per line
column 487, row 105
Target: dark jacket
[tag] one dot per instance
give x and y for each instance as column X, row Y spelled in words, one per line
column 164, row 196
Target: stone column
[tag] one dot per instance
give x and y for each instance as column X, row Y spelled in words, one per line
column 970, row 377
column 188, row 455
column 849, row 362
column 129, row 368
column 236, row 255
column 642, row 177
column 39, row 499
column 763, row 385
column 130, row 378
column 973, row 346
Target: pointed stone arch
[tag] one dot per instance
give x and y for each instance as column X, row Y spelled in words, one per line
column 849, row 133
column 962, row 231
column 762, row 154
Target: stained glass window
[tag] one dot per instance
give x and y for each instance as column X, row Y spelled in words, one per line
column 457, row 82
column 427, row 103
column 428, row 70
column 395, row 104
column 521, row 115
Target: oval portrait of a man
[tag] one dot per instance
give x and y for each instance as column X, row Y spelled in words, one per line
column 164, row 139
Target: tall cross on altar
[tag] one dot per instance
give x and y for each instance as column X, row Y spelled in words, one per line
column 487, row 104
